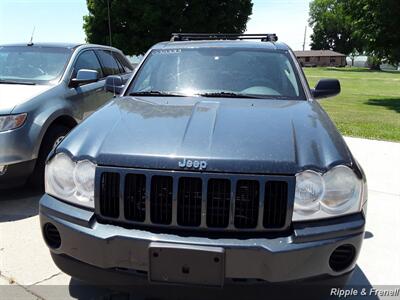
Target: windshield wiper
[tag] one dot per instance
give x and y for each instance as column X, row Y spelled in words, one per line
column 227, row 95
column 156, row 94
column 241, row 95
column 16, row 82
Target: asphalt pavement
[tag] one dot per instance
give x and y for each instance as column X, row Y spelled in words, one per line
column 27, row 271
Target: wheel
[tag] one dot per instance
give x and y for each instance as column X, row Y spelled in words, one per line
column 52, row 139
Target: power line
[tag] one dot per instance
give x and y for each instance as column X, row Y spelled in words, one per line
column 109, row 21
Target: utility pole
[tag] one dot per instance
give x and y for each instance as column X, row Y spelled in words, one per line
column 305, row 34
column 109, row 21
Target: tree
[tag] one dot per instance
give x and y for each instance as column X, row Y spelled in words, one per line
column 351, row 26
column 332, row 27
column 377, row 23
column 137, row 25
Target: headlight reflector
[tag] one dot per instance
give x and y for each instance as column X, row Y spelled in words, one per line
column 84, row 180
column 337, row 192
column 71, row 181
column 10, row 122
column 59, row 175
column 309, row 191
column 342, row 190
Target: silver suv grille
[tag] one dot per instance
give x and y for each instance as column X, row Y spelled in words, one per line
column 188, row 200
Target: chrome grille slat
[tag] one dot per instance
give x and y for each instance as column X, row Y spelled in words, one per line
column 202, row 201
column 189, row 201
column 274, row 207
column 161, row 199
column 109, row 195
column 218, row 202
column 135, row 197
column 247, row 201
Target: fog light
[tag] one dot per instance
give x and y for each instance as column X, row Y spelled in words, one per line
column 51, row 236
column 3, row 170
column 342, row 257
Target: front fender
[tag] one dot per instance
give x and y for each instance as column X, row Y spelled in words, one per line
column 45, row 119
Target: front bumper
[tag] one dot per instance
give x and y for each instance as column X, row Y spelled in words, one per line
column 17, row 153
column 302, row 254
column 18, row 145
column 17, row 174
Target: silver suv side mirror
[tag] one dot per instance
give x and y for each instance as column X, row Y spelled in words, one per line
column 114, row 84
column 326, row 88
column 84, row 76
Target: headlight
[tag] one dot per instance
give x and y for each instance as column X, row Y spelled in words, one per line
column 71, row 181
column 12, row 122
column 337, row 192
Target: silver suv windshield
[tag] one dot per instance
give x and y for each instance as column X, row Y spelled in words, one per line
column 218, row 72
column 25, row 64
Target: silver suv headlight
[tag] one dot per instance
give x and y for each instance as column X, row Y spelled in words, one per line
column 71, row 181
column 337, row 192
column 11, row 122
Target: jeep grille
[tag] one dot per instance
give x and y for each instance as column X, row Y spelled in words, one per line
column 187, row 200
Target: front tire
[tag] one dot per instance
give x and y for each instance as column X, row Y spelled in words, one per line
column 52, row 139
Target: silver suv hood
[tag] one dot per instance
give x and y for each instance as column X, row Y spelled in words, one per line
column 12, row 95
column 232, row 135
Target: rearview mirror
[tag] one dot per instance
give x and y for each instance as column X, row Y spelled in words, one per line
column 84, row 76
column 114, row 84
column 326, row 88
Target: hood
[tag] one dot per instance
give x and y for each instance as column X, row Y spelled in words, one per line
column 12, row 95
column 231, row 135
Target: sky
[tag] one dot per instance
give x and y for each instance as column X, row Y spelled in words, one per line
column 61, row 20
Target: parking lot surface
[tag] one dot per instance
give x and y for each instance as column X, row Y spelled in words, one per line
column 27, row 271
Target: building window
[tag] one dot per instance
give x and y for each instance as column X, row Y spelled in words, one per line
column 307, row 59
column 333, row 60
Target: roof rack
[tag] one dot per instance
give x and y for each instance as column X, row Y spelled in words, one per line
column 264, row 37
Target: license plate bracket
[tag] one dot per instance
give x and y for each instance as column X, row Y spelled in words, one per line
column 186, row 264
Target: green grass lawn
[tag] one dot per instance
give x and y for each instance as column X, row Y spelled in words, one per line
column 369, row 104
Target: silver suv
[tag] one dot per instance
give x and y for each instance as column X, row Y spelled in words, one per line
column 45, row 91
column 220, row 169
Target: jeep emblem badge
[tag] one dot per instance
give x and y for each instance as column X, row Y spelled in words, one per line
column 195, row 164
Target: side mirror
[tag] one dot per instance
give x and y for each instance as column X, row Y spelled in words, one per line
column 326, row 88
column 84, row 76
column 114, row 84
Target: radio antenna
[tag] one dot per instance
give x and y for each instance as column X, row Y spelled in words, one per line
column 31, row 41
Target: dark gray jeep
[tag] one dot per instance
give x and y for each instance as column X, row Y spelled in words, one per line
column 214, row 165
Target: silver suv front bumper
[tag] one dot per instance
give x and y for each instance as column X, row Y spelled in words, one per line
column 304, row 253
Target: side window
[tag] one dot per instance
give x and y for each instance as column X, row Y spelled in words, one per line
column 87, row 60
column 110, row 65
column 124, row 62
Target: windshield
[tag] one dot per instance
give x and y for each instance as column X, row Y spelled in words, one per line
column 32, row 64
column 227, row 72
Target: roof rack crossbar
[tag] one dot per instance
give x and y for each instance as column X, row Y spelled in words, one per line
column 264, row 37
